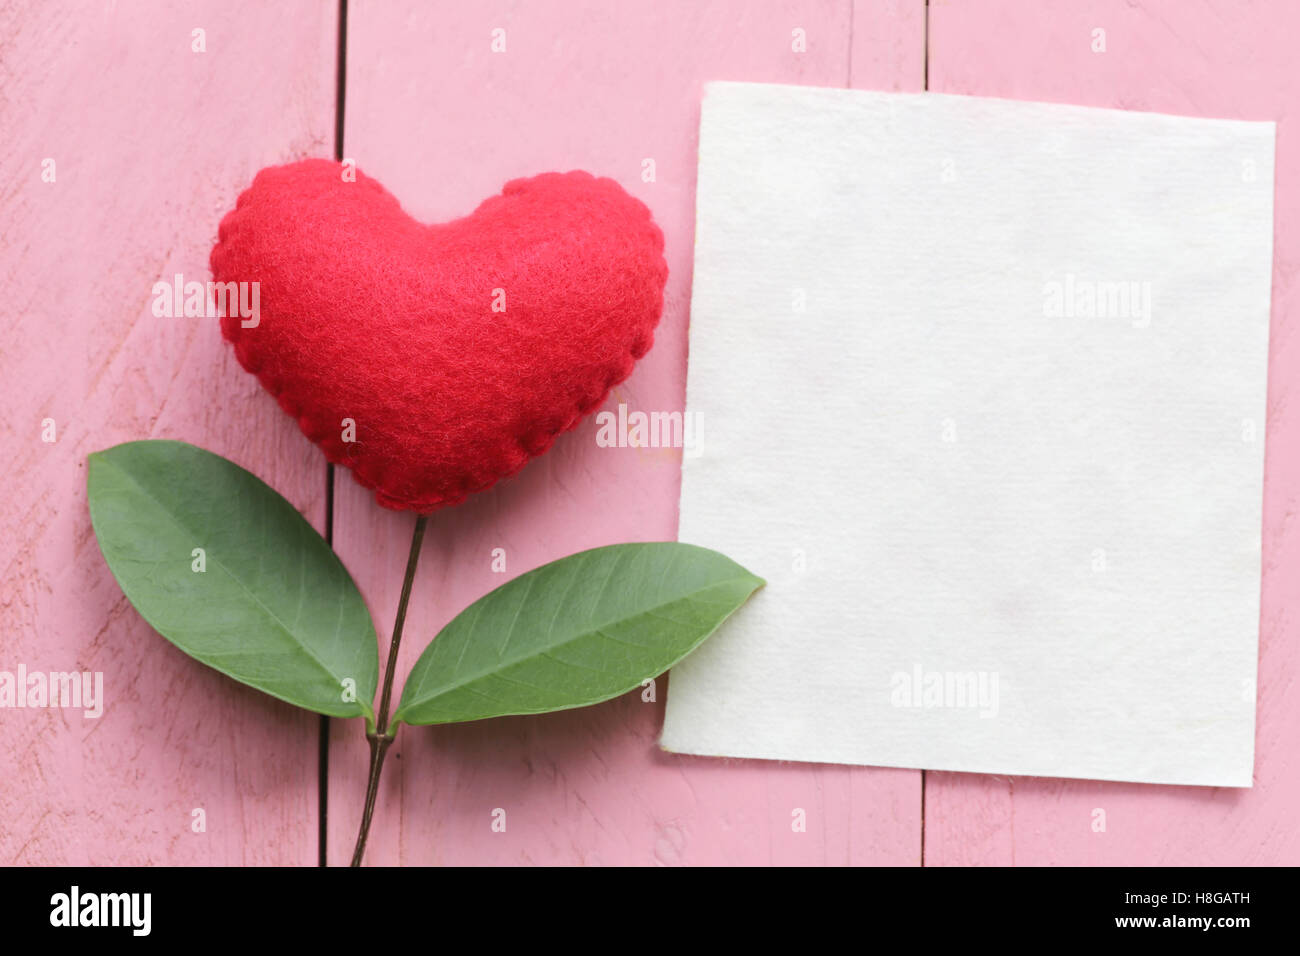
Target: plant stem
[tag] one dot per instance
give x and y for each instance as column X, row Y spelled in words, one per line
column 380, row 739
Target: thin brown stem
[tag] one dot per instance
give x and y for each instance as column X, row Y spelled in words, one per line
column 379, row 738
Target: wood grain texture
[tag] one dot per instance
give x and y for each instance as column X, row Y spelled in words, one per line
column 1220, row 59
column 888, row 45
column 444, row 122
column 152, row 142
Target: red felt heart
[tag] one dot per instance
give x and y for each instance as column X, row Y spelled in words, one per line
column 460, row 350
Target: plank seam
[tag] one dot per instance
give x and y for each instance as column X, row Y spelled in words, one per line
column 323, row 742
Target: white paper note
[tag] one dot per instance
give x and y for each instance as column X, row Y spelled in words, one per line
column 980, row 388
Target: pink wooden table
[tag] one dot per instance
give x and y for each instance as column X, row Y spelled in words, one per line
column 151, row 142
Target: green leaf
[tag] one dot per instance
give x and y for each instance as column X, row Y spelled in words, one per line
column 273, row 606
column 574, row 632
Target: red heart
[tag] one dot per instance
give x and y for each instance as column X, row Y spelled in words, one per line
column 369, row 316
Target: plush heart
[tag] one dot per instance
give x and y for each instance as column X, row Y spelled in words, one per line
column 436, row 360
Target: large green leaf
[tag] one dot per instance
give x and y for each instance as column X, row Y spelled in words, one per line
column 273, row 608
column 574, row 632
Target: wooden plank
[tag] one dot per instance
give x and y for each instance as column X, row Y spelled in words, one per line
column 151, row 143
column 444, row 122
column 1217, row 59
column 888, row 51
